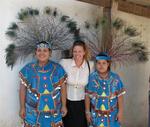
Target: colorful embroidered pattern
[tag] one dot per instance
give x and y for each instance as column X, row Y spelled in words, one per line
column 104, row 98
column 43, row 101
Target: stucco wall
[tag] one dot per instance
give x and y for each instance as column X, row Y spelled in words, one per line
column 135, row 77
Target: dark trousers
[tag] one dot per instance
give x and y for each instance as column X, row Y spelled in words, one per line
column 76, row 114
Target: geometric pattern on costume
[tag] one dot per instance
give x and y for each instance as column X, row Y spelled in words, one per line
column 43, row 101
column 104, row 95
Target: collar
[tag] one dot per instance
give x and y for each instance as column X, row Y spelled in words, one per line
column 73, row 64
column 45, row 67
column 97, row 74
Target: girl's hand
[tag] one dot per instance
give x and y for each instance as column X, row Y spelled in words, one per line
column 22, row 113
column 120, row 117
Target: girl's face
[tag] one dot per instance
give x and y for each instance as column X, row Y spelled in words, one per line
column 102, row 66
column 78, row 52
column 43, row 54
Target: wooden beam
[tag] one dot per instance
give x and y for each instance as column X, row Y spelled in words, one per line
column 137, row 9
column 106, row 30
column 103, row 3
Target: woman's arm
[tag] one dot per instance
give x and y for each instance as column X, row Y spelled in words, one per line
column 63, row 99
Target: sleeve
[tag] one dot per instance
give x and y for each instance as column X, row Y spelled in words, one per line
column 120, row 87
column 61, row 72
column 24, row 75
column 90, row 89
column 59, row 75
column 23, row 72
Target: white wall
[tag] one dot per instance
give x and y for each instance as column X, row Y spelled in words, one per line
column 135, row 77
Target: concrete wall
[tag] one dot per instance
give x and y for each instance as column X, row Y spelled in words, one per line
column 135, row 77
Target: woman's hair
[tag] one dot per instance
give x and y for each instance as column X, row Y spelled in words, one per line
column 82, row 44
column 105, row 55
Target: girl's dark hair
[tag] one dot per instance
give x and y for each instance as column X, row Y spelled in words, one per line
column 82, row 44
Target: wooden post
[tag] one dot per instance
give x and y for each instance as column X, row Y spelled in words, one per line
column 106, row 30
column 149, row 103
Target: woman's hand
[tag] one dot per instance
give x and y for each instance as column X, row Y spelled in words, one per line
column 22, row 113
column 64, row 111
column 88, row 117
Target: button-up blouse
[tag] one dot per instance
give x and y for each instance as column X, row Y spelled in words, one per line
column 77, row 78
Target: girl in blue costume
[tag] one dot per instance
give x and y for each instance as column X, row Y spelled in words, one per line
column 42, row 90
column 104, row 95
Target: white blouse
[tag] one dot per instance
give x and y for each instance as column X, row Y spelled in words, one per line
column 77, row 78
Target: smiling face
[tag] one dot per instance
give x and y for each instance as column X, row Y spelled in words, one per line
column 43, row 54
column 102, row 66
column 78, row 52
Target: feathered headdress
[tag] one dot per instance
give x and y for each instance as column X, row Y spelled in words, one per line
column 33, row 27
column 125, row 47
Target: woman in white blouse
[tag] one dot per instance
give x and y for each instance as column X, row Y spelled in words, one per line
column 78, row 69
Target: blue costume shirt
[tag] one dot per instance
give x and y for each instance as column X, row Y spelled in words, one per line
column 43, row 99
column 104, row 95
